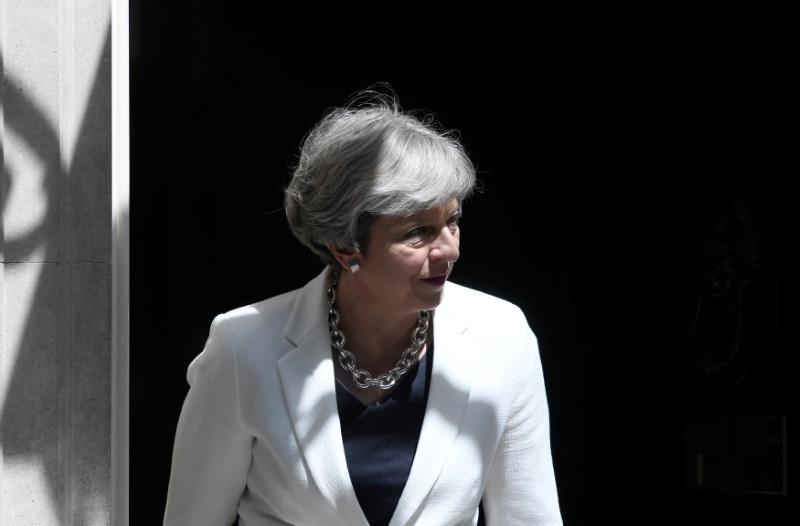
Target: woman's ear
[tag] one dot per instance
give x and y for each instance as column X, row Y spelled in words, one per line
column 348, row 259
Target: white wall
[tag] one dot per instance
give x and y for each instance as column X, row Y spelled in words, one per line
column 57, row 333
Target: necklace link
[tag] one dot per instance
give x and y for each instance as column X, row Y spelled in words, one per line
column 347, row 360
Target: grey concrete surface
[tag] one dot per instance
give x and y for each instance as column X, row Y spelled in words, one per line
column 55, row 263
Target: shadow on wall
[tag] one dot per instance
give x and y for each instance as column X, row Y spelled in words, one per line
column 55, row 424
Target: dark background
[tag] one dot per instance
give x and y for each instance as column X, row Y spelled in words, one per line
column 607, row 157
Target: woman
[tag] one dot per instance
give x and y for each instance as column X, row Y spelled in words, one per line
column 380, row 392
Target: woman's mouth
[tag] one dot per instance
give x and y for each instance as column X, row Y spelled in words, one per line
column 437, row 281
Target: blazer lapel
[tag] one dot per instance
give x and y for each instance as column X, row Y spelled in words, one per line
column 307, row 378
column 451, row 382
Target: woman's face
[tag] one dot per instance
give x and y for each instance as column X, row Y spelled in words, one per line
column 408, row 259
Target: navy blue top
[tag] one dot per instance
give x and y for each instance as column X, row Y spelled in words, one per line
column 380, row 440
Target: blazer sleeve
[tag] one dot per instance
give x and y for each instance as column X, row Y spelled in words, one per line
column 521, row 488
column 212, row 451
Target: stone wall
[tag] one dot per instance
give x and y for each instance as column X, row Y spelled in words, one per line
column 55, row 263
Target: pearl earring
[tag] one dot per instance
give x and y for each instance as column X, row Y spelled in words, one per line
column 354, row 266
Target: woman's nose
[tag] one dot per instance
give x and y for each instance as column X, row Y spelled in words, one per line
column 447, row 245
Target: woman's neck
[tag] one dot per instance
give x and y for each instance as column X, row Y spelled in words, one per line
column 377, row 332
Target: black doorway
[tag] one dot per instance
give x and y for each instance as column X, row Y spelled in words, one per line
column 592, row 163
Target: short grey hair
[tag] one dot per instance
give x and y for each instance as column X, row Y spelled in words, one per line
column 367, row 160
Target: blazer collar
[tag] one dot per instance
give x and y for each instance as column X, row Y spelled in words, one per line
column 451, row 382
column 310, row 309
column 307, row 378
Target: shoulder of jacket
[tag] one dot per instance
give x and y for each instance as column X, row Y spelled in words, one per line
column 482, row 302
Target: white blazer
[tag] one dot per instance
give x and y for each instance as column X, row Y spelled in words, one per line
column 259, row 433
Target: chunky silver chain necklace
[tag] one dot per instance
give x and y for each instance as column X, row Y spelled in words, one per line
column 361, row 377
